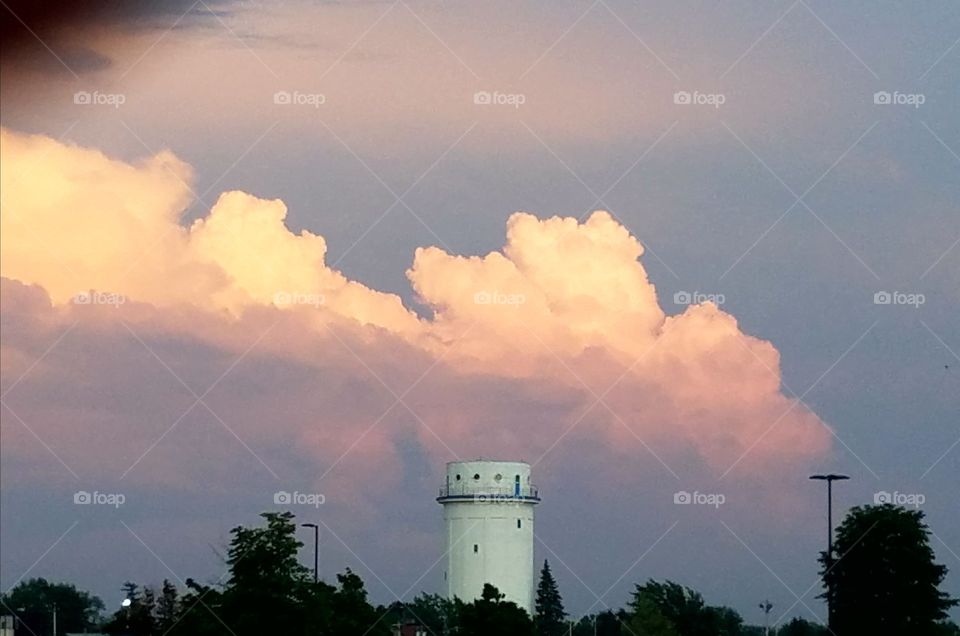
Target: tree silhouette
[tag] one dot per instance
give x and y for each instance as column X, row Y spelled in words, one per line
column 801, row 627
column 168, row 605
column 490, row 614
column 884, row 581
column 647, row 620
column 33, row 601
column 550, row 615
column 266, row 580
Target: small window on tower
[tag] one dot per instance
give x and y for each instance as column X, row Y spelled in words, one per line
column 458, row 477
column 518, row 523
column 476, row 548
column 476, row 476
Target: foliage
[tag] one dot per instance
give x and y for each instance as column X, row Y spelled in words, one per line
column 947, row 628
column 686, row 610
column 884, row 581
column 490, row 614
column 648, row 620
column 33, row 602
column 434, row 612
column 801, row 627
column 267, row 591
column 138, row 618
column 549, row 618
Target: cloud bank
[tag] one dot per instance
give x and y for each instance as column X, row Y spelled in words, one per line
column 556, row 341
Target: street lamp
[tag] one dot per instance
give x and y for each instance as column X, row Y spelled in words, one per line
column 316, row 549
column 766, row 606
column 829, row 478
column 126, row 604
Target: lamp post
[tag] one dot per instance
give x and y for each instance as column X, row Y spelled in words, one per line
column 126, row 604
column 829, row 478
column 766, row 606
column 316, row 549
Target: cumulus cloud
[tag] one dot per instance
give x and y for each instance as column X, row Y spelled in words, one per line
column 557, row 339
column 76, row 220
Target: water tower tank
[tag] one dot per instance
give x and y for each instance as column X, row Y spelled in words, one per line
column 488, row 511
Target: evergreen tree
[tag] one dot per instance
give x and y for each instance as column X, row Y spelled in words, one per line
column 167, row 607
column 550, row 615
column 136, row 616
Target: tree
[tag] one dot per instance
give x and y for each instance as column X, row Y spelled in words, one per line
column 198, row 611
column 435, row 613
column 33, row 602
column 646, row 619
column 137, row 618
column 884, row 581
column 490, row 614
column 686, row 610
column 550, row 615
column 267, row 584
column 168, row 605
column 726, row 620
column 947, row 628
column 268, row 591
column 801, row 627
column 606, row 623
column 353, row 614
column 610, row 623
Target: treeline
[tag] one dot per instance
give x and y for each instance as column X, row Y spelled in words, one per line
column 882, row 580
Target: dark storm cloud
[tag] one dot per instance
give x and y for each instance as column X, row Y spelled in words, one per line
column 41, row 36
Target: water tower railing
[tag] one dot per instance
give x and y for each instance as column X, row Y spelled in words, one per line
column 459, row 491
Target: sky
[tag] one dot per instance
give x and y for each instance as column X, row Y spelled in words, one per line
column 324, row 248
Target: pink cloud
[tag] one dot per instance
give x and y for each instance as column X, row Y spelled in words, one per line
column 556, row 342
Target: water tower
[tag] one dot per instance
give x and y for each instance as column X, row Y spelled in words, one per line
column 488, row 510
